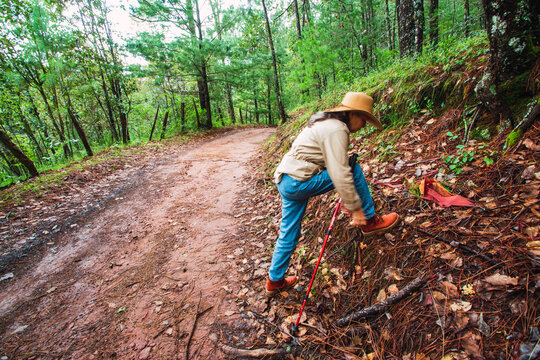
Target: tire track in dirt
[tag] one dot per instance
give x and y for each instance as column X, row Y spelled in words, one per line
column 127, row 283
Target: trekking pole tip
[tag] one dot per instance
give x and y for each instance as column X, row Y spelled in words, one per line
column 294, row 330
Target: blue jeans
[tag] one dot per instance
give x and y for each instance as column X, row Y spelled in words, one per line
column 294, row 198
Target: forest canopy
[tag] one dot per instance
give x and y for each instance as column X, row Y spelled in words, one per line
column 68, row 89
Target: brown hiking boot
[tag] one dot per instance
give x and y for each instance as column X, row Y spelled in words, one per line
column 273, row 287
column 378, row 224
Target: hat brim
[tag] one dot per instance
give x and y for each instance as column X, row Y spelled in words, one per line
column 371, row 118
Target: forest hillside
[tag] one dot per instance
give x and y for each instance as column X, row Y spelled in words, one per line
column 465, row 273
column 138, row 211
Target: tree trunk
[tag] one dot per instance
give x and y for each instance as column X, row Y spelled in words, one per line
column 256, row 109
column 182, row 116
column 389, row 27
column 467, row 15
column 221, row 117
column 14, row 149
column 197, row 114
column 241, row 119
column 80, row 131
column 281, row 109
column 512, row 43
column 204, row 92
column 12, row 165
column 405, row 19
column 418, row 25
column 269, row 103
column 165, row 119
column 154, row 124
column 32, row 137
column 434, row 23
column 297, row 15
column 109, row 113
column 230, row 101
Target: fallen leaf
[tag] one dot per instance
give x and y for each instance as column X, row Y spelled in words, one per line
column 461, row 306
column 121, row 309
column 381, row 296
column 501, row 280
column 457, row 262
column 393, row 289
column 228, row 313
column 392, row 273
column 483, row 326
column 439, row 296
column 450, row 289
column 532, row 231
column 471, row 345
column 530, row 144
column 534, row 247
column 409, row 219
column 448, row 256
column 462, row 320
column 51, row 290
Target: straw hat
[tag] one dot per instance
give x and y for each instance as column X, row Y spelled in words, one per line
column 358, row 101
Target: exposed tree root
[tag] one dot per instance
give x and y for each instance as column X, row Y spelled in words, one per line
column 278, row 353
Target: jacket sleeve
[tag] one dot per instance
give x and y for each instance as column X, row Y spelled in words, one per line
column 334, row 149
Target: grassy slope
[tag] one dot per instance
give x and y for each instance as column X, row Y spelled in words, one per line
column 420, row 102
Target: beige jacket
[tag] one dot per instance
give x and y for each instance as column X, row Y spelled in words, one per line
column 322, row 146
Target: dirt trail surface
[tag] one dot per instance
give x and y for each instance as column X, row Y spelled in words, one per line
column 129, row 280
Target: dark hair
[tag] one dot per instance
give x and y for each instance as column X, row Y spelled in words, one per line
column 322, row 115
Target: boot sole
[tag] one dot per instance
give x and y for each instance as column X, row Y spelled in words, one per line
column 378, row 231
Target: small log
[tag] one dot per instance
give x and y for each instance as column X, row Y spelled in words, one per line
column 252, row 353
column 383, row 305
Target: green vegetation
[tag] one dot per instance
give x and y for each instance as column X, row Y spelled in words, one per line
column 68, row 93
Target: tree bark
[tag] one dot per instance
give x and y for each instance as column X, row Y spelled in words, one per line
column 80, row 131
column 418, row 26
column 255, row 103
column 165, row 119
column 221, row 116
column 204, row 92
column 154, row 124
column 297, row 15
column 281, row 109
column 512, row 43
column 434, row 23
column 197, row 114
column 405, row 19
column 182, row 116
column 14, row 149
column 389, row 26
column 467, row 16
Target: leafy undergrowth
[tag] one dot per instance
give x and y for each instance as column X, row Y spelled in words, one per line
column 470, row 306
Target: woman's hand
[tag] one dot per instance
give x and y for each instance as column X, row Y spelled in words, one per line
column 357, row 218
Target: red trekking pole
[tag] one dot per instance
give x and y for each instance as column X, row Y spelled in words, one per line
column 295, row 326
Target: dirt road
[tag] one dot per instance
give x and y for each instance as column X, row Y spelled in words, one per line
column 128, row 282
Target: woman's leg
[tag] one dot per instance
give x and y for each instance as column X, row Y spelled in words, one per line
column 362, row 189
column 292, row 212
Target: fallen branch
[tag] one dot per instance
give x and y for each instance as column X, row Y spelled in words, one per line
column 197, row 316
column 383, row 305
column 252, row 353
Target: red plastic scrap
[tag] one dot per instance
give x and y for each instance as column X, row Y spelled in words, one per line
column 431, row 189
